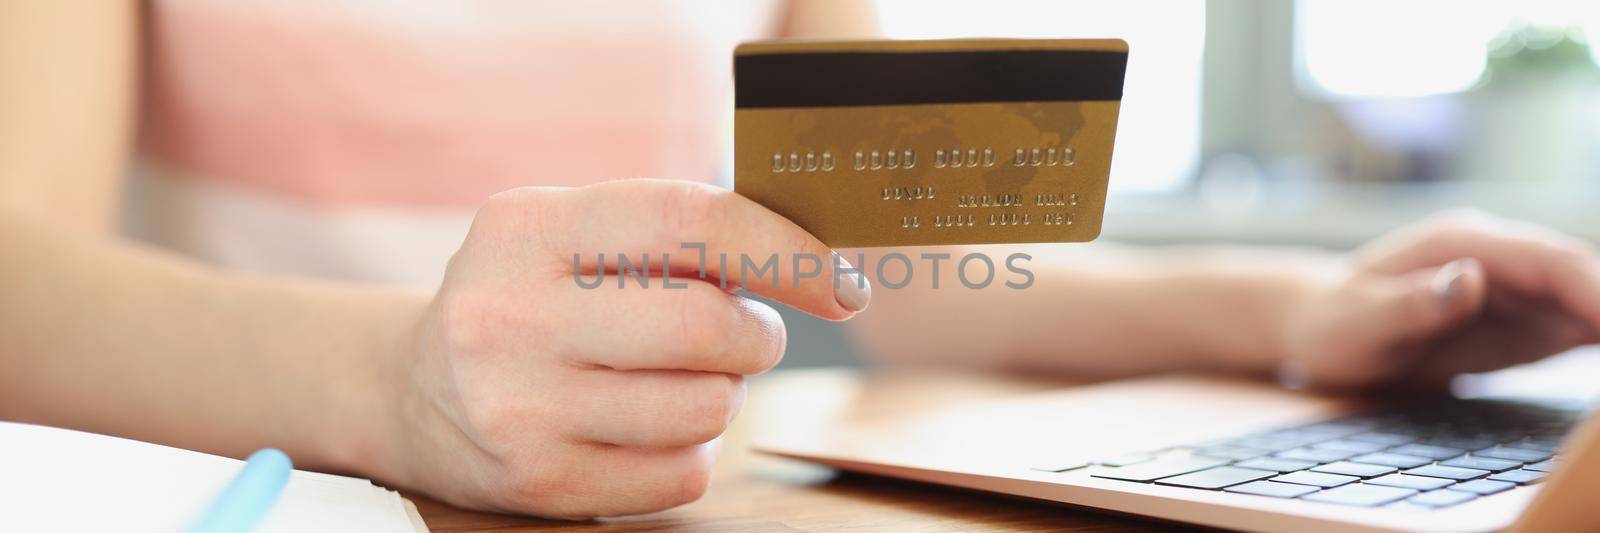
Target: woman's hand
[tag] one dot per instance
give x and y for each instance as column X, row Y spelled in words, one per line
column 530, row 393
column 1464, row 292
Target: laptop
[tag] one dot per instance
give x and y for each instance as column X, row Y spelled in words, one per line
column 1246, row 455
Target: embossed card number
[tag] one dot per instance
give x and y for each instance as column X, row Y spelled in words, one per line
column 901, row 143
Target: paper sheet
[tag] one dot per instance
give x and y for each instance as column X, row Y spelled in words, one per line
column 54, row 479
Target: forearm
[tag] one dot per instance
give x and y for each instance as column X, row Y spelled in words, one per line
column 1103, row 310
column 111, row 338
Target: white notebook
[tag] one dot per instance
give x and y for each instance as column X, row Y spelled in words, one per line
column 54, row 479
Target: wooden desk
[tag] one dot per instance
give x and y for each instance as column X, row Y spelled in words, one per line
column 754, row 492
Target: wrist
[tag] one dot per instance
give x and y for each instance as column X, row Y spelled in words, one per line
column 1286, row 361
column 377, row 390
column 1268, row 297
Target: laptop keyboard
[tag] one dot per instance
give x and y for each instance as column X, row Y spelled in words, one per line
column 1430, row 455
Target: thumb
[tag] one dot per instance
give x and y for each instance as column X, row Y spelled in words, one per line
column 1431, row 301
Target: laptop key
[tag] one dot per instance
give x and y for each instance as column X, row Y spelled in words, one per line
column 1274, row 464
column 1125, row 459
column 1437, row 453
column 1403, row 505
column 1448, row 472
column 1216, row 478
column 1442, row 498
column 1315, row 455
column 1483, row 487
column 1316, row 479
column 1360, row 495
column 1469, row 443
column 1354, row 469
column 1521, row 455
column 1482, row 463
column 1520, row 477
column 1270, row 444
column 1355, row 446
column 1543, row 445
column 1340, row 427
column 1273, row 489
column 1410, row 482
column 1543, row 466
column 1387, row 439
column 1153, row 470
column 1391, row 459
column 1232, row 452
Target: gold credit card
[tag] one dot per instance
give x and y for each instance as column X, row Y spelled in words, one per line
column 902, row 143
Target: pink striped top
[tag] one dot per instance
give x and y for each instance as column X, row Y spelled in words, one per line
column 334, row 138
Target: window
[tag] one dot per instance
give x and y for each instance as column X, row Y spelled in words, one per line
column 1381, row 49
column 1158, row 131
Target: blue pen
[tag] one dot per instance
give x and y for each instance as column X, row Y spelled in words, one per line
column 246, row 500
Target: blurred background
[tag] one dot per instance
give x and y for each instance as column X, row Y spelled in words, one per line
column 1316, row 122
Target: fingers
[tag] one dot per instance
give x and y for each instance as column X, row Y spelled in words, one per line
column 612, row 481
column 764, row 252
column 1529, row 259
column 654, row 408
column 1452, row 295
column 1426, row 302
column 1502, row 341
column 697, row 327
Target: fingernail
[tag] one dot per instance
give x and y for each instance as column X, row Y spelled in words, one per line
column 851, row 289
column 1293, row 375
column 1448, row 283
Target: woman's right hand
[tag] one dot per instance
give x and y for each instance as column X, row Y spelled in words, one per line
column 1462, row 293
column 529, row 393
